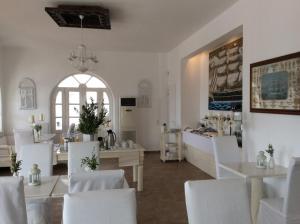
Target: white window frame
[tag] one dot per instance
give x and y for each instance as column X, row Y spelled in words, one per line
column 82, row 89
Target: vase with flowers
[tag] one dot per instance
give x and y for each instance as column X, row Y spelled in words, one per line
column 15, row 164
column 270, row 151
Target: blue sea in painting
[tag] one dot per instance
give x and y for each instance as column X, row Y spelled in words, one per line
column 225, row 105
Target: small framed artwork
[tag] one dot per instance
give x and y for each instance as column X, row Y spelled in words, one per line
column 275, row 85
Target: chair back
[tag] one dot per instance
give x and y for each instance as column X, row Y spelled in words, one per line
column 226, row 150
column 12, row 206
column 217, row 201
column 39, row 153
column 105, row 207
column 291, row 205
column 97, row 180
column 22, row 137
column 79, row 150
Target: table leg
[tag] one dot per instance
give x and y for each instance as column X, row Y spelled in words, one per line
column 135, row 172
column 140, row 178
column 256, row 196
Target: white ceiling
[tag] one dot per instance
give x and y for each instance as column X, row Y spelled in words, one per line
column 137, row 25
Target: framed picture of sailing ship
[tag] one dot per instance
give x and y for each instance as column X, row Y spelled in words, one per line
column 226, row 77
column 275, row 85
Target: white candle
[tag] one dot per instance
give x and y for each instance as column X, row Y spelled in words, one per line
column 42, row 118
column 31, row 119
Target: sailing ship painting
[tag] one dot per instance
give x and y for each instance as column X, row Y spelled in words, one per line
column 225, row 77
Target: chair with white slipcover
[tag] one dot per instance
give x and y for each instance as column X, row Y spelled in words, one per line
column 22, row 137
column 217, row 201
column 226, row 150
column 39, row 153
column 284, row 210
column 105, row 207
column 38, row 210
column 12, row 206
column 79, row 150
column 97, row 180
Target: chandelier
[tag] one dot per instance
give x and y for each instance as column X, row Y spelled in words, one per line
column 79, row 58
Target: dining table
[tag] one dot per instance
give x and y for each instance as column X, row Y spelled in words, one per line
column 44, row 190
column 249, row 170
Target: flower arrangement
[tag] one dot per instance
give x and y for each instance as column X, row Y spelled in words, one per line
column 270, row 150
column 15, row 164
column 37, row 127
column 89, row 120
column 91, row 163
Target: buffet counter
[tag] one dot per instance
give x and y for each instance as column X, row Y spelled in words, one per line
column 199, row 152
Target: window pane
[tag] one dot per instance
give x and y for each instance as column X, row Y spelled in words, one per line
column 74, row 97
column 95, row 83
column 58, row 124
column 59, row 98
column 90, row 95
column 74, row 120
column 69, row 82
column 58, row 110
column 107, row 108
column 82, row 78
column 105, row 98
column 72, row 111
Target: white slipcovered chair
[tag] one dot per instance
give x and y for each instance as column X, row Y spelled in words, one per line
column 39, row 153
column 284, row 210
column 22, row 137
column 79, row 150
column 12, row 206
column 38, row 210
column 97, row 180
column 217, row 201
column 103, row 207
column 226, row 150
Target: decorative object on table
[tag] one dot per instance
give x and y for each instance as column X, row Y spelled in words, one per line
column 80, row 60
column 270, row 151
column 261, row 160
column 110, row 139
column 15, row 164
column 144, row 94
column 37, row 128
column 130, row 144
column 275, row 85
column 90, row 164
column 124, row 144
column 163, row 128
column 89, row 120
column 27, row 90
column 66, row 143
column 225, row 77
column 34, row 176
column 101, row 142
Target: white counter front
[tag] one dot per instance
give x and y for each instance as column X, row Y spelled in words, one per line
column 199, row 152
column 198, row 141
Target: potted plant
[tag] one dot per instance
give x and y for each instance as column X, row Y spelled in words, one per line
column 90, row 164
column 15, row 164
column 89, row 120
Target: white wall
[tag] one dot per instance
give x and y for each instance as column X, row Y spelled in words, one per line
column 190, row 94
column 269, row 30
column 48, row 65
column 1, row 93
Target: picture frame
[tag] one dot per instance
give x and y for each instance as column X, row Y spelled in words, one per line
column 27, row 91
column 275, row 85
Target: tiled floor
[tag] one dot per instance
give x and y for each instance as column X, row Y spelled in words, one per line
column 162, row 200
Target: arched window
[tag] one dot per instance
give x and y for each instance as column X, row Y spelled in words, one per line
column 73, row 92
